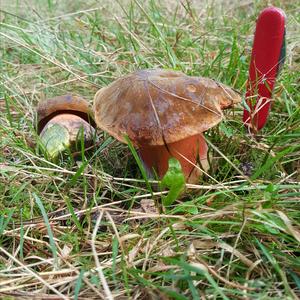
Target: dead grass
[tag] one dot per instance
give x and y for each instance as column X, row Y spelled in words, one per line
column 94, row 232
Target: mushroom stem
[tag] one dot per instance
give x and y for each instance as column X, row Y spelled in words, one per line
column 189, row 152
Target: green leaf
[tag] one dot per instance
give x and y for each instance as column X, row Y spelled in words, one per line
column 56, row 139
column 78, row 284
column 174, row 180
column 186, row 207
column 226, row 130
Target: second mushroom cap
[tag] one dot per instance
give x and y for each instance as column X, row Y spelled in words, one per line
column 61, row 121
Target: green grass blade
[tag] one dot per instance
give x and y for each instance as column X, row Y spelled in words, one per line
column 139, row 163
column 73, row 215
column 78, row 284
column 48, row 226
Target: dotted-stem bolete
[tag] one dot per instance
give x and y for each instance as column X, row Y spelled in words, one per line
column 164, row 113
column 61, row 120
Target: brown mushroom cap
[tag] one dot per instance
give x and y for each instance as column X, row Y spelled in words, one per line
column 50, row 108
column 157, row 106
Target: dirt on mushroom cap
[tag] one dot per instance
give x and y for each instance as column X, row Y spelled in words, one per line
column 157, row 106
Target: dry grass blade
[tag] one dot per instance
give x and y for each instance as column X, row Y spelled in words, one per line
column 227, row 282
column 99, row 268
column 238, row 254
column 295, row 233
column 45, row 283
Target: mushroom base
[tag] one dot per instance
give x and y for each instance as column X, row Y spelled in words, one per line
column 189, row 152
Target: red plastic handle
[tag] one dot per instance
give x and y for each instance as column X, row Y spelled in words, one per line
column 267, row 56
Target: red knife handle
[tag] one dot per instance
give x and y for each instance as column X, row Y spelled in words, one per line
column 267, row 56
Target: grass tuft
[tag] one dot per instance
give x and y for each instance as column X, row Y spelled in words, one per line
column 235, row 235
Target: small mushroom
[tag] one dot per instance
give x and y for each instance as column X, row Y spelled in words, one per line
column 164, row 113
column 61, row 120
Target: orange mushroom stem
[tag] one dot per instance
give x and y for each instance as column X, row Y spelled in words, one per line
column 191, row 152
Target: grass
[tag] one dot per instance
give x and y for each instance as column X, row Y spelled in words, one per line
column 83, row 228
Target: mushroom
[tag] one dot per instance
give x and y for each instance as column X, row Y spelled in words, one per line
column 60, row 121
column 164, row 113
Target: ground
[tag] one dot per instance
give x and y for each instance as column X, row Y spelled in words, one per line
column 87, row 227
